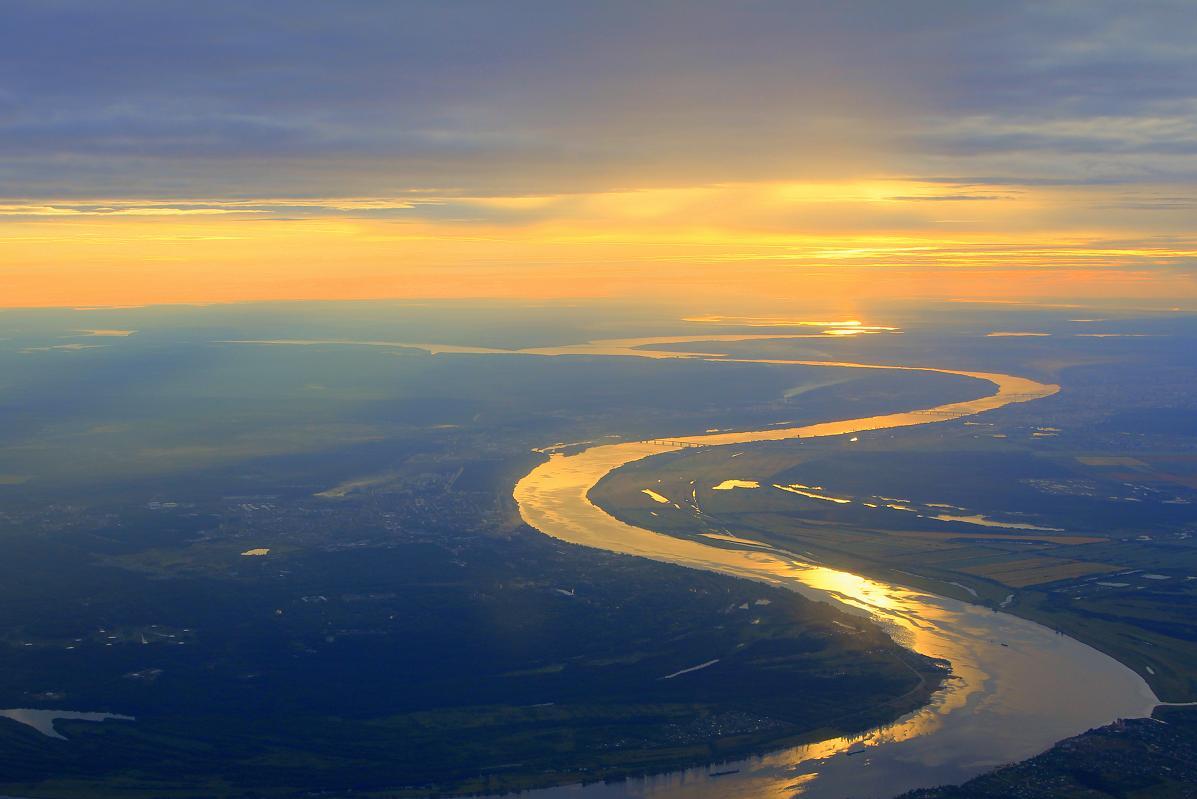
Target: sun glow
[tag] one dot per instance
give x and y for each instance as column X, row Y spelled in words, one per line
column 880, row 239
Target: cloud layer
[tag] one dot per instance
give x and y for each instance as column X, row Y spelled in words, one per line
column 300, row 97
column 899, row 133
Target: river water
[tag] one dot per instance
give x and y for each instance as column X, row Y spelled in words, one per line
column 1017, row 687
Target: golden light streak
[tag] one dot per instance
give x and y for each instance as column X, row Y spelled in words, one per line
column 871, row 239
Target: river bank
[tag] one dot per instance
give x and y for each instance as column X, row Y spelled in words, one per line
column 1020, row 686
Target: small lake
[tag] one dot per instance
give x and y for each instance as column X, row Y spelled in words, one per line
column 43, row 720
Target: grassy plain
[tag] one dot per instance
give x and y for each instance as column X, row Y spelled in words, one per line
column 1115, row 564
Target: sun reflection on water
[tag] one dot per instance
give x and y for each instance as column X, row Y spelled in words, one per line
column 554, row 498
column 1000, row 704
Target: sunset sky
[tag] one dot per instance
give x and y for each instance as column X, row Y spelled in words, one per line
column 226, row 151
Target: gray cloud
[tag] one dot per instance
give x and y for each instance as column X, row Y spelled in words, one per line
column 307, row 98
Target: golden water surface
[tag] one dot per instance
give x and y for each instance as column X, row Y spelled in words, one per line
column 1017, row 687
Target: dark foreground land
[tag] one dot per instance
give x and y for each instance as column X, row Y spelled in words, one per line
column 1152, row 758
column 379, row 648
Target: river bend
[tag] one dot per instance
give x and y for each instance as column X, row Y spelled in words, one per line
column 1017, row 688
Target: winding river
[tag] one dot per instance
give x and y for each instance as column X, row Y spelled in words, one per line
column 1018, row 687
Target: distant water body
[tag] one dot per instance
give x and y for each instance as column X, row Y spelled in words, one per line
column 1017, row 687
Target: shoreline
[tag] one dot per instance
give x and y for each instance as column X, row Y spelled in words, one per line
column 553, row 491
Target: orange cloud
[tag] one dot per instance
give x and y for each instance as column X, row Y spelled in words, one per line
column 869, row 239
